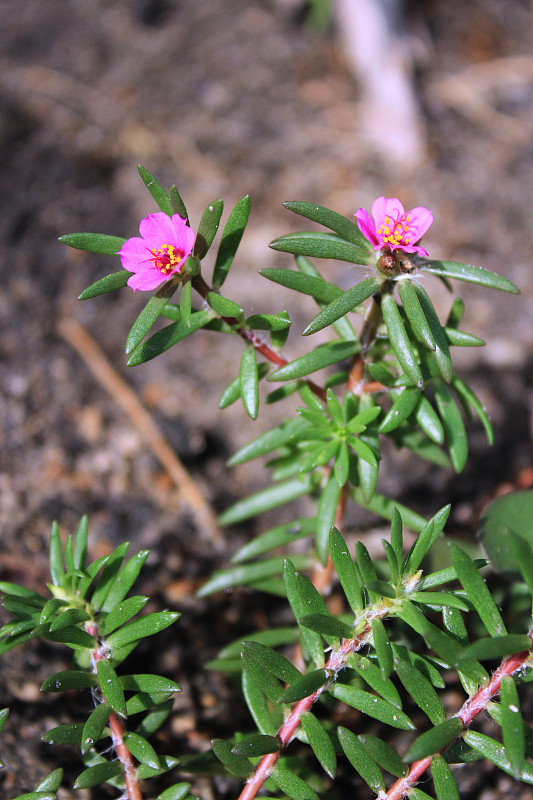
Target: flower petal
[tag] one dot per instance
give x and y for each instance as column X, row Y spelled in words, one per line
column 366, row 225
column 184, row 237
column 421, row 220
column 386, row 206
column 158, row 230
column 146, row 280
column 134, row 254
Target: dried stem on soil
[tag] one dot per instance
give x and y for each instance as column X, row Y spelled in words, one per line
column 94, row 357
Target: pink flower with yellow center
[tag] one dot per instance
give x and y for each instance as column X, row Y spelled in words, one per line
column 159, row 252
column 390, row 226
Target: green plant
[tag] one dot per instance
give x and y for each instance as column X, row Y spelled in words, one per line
column 404, row 625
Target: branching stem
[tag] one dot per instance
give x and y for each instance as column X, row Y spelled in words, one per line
column 467, row 713
column 118, row 729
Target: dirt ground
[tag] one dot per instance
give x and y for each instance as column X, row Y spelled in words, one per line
column 223, row 99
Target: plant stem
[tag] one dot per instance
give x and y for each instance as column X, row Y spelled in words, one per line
column 288, row 729
column 251, row 338
column 467, row 713
column 118, row 729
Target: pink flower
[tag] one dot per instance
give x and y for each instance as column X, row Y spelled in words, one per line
column 391, row 226
column 159, row 252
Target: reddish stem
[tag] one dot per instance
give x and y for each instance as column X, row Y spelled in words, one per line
column 118, row 729
column 466, row 714
column 251, row 338
column 287, row 731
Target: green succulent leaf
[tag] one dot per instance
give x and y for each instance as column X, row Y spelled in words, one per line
column 330, row 219
column 93, row 242
column 249, row 380
column 266, row 720
column 305, row 686
column 345, row 569
column 110, row 687
column 415, row 313
column 156, row 190
column 168, row 337
column 319, row 358
column 384, row 755
column 268, row 498
column 320, row 742
column 97, row 774
column 94, row 727
column 470, row 274
column 478, row 592
column 372, row 675
column 494, row 752
column 255, row 746
column 342, row 305
column 372, row 706
column 382, row 647
column 360, row 760
column 316, row 287
column 445, row 785
column 434, row 740
column 237, row 764
column 312, row 640
column 401, row 409
column 231, row 238
column 513, row 728
column 293, row 786
column 401, row 344
column 207, row 228
column 442, row 352
column 421, row 690
column 139, row 629
column 321, row 245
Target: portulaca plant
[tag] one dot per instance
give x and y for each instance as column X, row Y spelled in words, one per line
column 359, row 691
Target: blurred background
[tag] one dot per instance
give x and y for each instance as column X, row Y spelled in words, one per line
column 336, row 104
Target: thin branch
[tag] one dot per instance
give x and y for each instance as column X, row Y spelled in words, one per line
column 289, row 727
column 118, row 729
column 251, row 338
column 467, row 713
column 79, row 338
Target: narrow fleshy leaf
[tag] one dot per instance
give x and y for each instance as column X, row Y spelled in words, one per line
column 139, row 629
column 470, row 398
column 312, row 640
column 462, row 338
column 327, row 509
column 426, row 539
column 316, row 287
column 372, row 706
column 497, row 647
column 345, row 569
column 327, row 626
column 279, row 536
column 513, row 728
column 94, row 243
column 323, row 356
column 152, row 684
column 185, row 302
column 270, row 660
column 305, row 686
column 400, row 410
column 415, row 313
column 223, row 305
column 108, row 576
column 293, row 786
column 478, row 592
column 176, row 203
column 445, row 599
column 402, row 346
column 346, row 228
column 110, row 687
column 71, row 616
column 57, row 572
column 422, row 665
column 70, row 679
column 445, row 785
column 231, row 238
column 268, row 498
column 365, row 563
column 238, row 765
column 93, row 728
column 371, row 674
column 434, row 740
column 249, row 380
column 342, row 305
column 493, row 751
column 360, row 760
column 428, row 419
column 168, row 337
column 207, row 228
column 64, row 734
column 470, row 274
column 255, row 746
column 384, row 755
column 320, row 742
column 268, row 322
column 116, row 280
column 421, row 690
column 141, row 749
column 245, row 574
column 382, row 647
column 266, row 720
column 320, row 245
column 180, row 791
column 156, row 190
column 268, row 441
column 125, row 579
column 442, row 351
column 97, row 774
